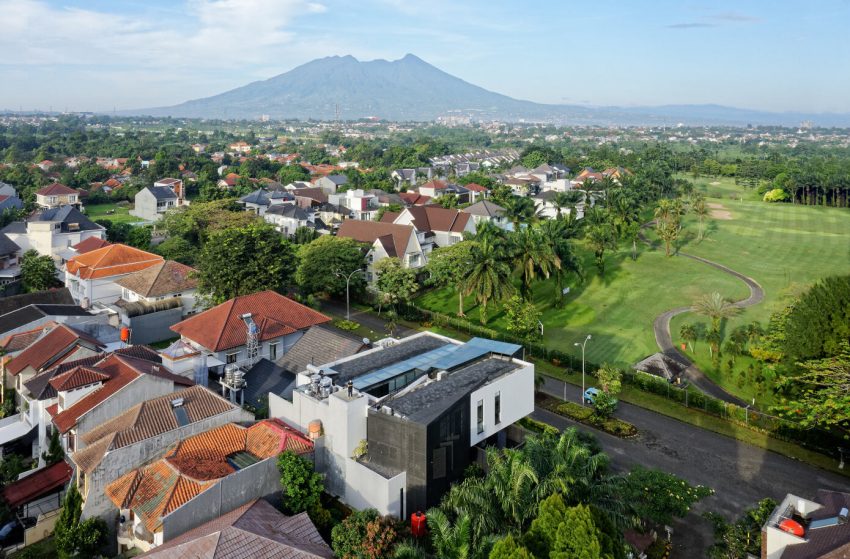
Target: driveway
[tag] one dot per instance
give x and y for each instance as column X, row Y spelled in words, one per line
column 740, row 474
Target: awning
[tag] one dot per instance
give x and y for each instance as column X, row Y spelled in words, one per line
column 43, row 482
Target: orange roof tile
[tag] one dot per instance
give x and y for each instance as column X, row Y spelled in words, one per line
column 89, row 244
column 50, row 349
column 77, row 378
column 112, row 260
column 222, row 327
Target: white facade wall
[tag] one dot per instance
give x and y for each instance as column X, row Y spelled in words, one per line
column 517, row 401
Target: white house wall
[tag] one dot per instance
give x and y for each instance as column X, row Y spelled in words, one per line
column 517, row 401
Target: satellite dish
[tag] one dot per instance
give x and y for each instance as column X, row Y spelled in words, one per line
column 366, row 341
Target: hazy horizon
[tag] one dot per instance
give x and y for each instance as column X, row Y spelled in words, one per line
column 99, row 55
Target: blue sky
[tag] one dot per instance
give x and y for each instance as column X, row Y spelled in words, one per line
column 96, row 55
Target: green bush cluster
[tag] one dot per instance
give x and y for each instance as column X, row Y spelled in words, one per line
column 587, row 415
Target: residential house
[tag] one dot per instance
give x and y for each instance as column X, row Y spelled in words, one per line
column 287, row 218
column 152, row 202
column 309, row 197
column 175, row 185
column 88, row 245
column 91, row 276
column 362, row 204
column 41, row 399
column 404, row 178
column 331, row 215
column 240, row 147
column 442, row 226
column 56, row 195
column 91, row 395
column 437, row 188
column 221, row 333
column 31, row 316
column 201, row 478
column 414, row 199
column 330, row 184
column 10, row 266
column 52, row 231
column 255, row 526
column 38, row 496
column 260, row 200
column 476, row 192
column 139, row 435
column 155, row 299
column 387, row 240
column 485, row 210
column 616, row 173
column 808, row 529
column 426, row 405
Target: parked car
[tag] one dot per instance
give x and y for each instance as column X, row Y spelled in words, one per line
column 11, row 533
column 590, row 395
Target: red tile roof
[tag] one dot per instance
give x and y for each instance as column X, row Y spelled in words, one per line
column 77, row 378
column 222, row 327
column 475, row 187
column 22, row 340
column 56, row 189
column 89, row 244
column 112, row 260
column 436, row 218
column 435, row 184
column 36, row 485
column 51, row 348
column 414, row 198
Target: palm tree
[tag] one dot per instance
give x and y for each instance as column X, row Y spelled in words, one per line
column 600, row 238
column 452, row 541
column 489, row 276
column 626, row 212
column 700, row 209
column 554, row 232
column 533, row 255
column 668, row 231
column 408, row 550
column 521, row 210
column 566, row 200
column 715, row 307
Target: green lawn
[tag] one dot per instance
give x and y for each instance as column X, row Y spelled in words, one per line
column 784, row 247
column 723, row 187
column 121, row 215
column 616, row 310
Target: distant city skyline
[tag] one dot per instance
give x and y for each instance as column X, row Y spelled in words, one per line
column 98, row 55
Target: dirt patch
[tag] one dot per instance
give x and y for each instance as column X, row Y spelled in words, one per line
column 716, row 206
column 721, row 214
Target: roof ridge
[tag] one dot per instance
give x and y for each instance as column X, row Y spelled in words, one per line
column 232, row 304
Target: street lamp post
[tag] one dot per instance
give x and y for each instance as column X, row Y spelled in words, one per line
column 347, row 283
column 582, row 344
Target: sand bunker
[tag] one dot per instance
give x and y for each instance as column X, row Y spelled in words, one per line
column 719, row 211
column 715, row 183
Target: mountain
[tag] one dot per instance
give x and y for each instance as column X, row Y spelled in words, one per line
column 412, row 89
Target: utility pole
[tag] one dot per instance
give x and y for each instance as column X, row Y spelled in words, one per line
column 583, row 344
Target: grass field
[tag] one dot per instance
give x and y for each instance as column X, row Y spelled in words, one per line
column 121, row 215
column 616, row 310
column 783, row 247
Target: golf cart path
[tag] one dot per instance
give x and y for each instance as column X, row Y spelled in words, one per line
column 661, row 327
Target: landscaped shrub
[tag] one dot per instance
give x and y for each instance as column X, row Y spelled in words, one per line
column 349, row 325
column 587, row 415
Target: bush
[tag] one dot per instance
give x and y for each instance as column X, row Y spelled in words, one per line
column 659, row 549
column 537, row 426
column 348, row 325
column 604, row 405
column 587, row 415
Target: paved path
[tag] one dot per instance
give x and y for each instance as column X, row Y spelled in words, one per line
column 664, row 339
column 740, row 474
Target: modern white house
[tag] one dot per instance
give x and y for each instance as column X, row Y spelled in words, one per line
column 52, row 231
column 395, row 425
column 287, row 218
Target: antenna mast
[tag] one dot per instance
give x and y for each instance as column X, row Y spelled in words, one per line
column 252, row 345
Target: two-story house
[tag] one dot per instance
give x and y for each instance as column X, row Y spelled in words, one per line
column 443, row 226
column 56, row 195
column 221, row 333
column 262, row 199
column 91, row 276
column 287, row 218
column 152, row 202
column 52, row 231
column 330, row 184
column 10, row 266
column 387, row 240
column 485, row 210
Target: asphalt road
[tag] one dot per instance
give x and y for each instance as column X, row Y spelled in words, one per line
column 740, row 474
column 661, row 328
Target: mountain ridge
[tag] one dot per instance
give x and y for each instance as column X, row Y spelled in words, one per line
column 411, row 89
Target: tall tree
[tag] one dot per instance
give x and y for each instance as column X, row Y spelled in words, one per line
column 38, row 273
column 601, row 238
column 557, row 233
column 448, row 266
column 244, row 260
column 324, row 265
column 700, row 209
column 395, row 283
column 533, row 255
column 489, row 277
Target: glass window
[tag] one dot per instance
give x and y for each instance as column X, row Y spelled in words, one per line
column 231, row 358
column 480, row 416
column 273, row 351
column 497, row 408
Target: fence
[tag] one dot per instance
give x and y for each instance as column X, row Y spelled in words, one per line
column 814, row 439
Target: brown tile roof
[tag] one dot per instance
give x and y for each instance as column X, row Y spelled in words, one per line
column 112, row 260
column 145, row 420
column 252, row 531
column 51, row 348
column 436, row 218
column 36, row 485
column 160, row 279
column 221, row 327
column 89, row 244
column 196, row 464
column 313, row 193
column 435, row 184
column 122, row 370
column 389, row 217
column 371, row 231
column 56, row 189
column 475, row 187
column 414, row 198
